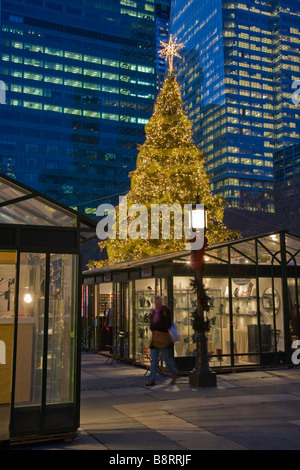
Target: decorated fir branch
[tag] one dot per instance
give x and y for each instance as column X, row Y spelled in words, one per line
column 169, row 170
column 200, row 323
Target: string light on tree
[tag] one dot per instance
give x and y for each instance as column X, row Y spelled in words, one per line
column 169, row 170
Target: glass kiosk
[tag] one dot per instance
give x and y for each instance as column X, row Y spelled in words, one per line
column 254, row 298
column 39, row 314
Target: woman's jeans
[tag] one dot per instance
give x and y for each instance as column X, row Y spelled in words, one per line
column 166, row 357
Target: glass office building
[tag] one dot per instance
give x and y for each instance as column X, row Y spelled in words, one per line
column 162, row 32
column 236, row 74
column 287, row 166
column 78, row 80
column 287, row 186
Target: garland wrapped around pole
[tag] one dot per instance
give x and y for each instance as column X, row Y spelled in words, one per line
column 200, row 325
column 202, row 375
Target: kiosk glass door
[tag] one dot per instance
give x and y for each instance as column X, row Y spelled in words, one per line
column 7, row 310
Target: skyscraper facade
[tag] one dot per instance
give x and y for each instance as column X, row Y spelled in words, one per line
column 162, row 32
column 78, row 85
column 236, row 73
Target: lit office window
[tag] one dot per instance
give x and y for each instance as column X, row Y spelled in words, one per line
column 127, row 66
column 73, row 55
column 91, row 86
column 33, row 76
column 32, row 105
column 110, row 63
column 56, row 80
column 16, row 88
column 17, row 44
column 93, row 114
column 74, row 83
column 34, row 47
column 49, row 107
column 33, row 91
column 33, row 62
column 128, row 3
column 53, row 66
column 149, row 7
column 145, row 69
column 17, row 59
column 92, row 59
column 143, row 121
column 16, row 102
column 110, row 76
column 16, row 73
column 110, row 89
column 77, row 112
column 72, row 69
column 124, row 11
column 111, row 117
column 92, row 73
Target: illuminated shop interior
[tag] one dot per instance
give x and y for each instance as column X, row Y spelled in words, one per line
column 254, row 302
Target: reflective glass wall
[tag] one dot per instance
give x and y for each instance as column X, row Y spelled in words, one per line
column 46, row 346
column 80, row 83
column 238, row 72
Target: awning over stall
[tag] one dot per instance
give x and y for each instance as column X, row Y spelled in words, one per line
column 21, row 205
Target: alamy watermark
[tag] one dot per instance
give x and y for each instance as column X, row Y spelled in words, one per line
column 296, row 94
column 2, row 92
column 296, row 354
column 2, row 352
column 154, row 222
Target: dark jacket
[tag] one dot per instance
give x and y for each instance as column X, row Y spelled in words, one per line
column 165, row 320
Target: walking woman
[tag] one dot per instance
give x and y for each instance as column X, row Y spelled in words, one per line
column 161, row 321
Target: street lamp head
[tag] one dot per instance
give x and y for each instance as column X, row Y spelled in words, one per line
column 198, row 216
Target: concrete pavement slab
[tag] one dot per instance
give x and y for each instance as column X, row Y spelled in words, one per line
column 247, row 410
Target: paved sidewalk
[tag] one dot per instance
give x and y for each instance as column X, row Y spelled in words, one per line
column 247, row 410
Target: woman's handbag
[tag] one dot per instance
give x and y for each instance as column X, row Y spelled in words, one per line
column 160, row 340
column 174, row 335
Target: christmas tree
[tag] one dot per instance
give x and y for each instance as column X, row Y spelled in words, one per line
column 169, row 170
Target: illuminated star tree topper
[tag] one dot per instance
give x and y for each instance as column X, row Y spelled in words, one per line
column 170, row 50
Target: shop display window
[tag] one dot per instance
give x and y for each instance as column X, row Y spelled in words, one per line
column 128, row 340
column 104, row 320
column 144, row 302
column 61, row 328
column 31, row 306
column 234, row 334
column 271, row 315
column 59, row 323
column 244, row 320
column 184, row 303
column 294, row 303
column 104, row 300
column 122, row 327
column 219, row 334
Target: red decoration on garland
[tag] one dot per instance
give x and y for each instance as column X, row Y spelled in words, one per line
column 197, row 257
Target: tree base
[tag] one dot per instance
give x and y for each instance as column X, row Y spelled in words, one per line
column 202, row 379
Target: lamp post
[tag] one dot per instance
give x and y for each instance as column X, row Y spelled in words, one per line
column 202, row 375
